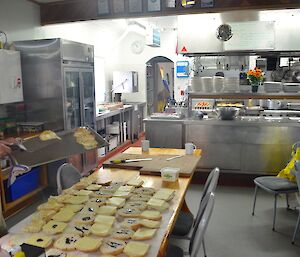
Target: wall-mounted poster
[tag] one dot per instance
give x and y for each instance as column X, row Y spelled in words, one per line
column 154, row 5
column 207, row 3
column 188, row 3
column 118, row 6
column 183, row 69
column 103, row 7
column 135, row 6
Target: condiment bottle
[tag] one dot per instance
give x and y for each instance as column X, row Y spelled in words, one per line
column 19, row 254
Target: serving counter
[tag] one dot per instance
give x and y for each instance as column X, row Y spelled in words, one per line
column 253, row 146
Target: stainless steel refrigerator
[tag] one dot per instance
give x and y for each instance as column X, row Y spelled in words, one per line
column 58, row 78
column 59, row 84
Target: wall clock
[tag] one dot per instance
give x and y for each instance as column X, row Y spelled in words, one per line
column 137, row 46
column 224, row 32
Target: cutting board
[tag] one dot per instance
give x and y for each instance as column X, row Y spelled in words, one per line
column 186, row 163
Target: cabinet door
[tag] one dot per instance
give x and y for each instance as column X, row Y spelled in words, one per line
column 88, row 91
column 72, row 103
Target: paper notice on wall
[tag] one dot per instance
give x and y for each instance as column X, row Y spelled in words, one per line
column 207, row 3
column 256, row 35
column 103, row 7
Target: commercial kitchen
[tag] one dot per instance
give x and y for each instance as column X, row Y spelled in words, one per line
column 149, row 128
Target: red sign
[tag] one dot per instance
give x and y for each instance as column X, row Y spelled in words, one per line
column 183, row 50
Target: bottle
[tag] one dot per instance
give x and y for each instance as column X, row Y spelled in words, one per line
column 19, row 254
column 4, row 253
column 12, row 251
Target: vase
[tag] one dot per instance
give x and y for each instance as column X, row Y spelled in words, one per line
column 254, row 87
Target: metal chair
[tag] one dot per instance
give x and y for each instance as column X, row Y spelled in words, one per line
column 275, row 186
column 67, row 176
column 199, row 231
column 185, row 223
column 297, row 170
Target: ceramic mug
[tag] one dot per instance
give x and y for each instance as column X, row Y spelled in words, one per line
column 145, row 145
column 190, row 148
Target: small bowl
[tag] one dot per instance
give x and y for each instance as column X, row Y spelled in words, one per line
column 169, row 174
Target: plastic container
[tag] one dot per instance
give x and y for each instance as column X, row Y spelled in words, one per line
column 23, row 185
column 196, row 84
column 169, row 174
column 218, row 83
column 207, row 83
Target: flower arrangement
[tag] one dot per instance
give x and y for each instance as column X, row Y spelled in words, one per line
column 255, row 76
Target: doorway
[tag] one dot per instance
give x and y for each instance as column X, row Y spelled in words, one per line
column 160, row 83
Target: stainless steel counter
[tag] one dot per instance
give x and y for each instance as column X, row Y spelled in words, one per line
column 244, row 121
column 108, row 114
column 242, row 146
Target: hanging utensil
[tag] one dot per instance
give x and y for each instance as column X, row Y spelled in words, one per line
column 16, row 170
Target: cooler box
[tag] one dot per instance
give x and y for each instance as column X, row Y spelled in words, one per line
column 23, row 185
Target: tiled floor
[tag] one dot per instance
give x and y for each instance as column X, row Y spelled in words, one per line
column 234, row 232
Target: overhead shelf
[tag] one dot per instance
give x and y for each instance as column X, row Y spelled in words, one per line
column 244, row 95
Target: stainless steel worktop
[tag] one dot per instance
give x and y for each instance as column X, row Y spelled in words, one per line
column 243, row 121
column 107, row 114
column 260, row 146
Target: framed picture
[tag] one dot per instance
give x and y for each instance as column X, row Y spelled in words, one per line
column 135, row 6
column 188, row 3
column 207, row 3
column 103, row 7
column 154, row 5
column 118, row 6
column 170, row 3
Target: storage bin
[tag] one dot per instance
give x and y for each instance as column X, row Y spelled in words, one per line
column 23, row 185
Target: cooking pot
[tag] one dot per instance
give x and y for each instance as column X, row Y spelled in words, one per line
column 227, row 113
column 274, row 104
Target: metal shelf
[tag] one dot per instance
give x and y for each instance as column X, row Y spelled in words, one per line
column 244, row 95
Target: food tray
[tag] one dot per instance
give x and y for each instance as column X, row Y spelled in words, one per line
column 42, row 152
column 291, row 87
column 272, row 87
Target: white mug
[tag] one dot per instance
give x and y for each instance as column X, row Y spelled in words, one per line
column 145, row 145
column 190, row 148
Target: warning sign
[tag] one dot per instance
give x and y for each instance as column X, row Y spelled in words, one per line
column 184, row 50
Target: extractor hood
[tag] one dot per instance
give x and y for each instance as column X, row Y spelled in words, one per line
column 253, row 32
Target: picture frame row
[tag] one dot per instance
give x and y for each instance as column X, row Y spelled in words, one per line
column 123, row 7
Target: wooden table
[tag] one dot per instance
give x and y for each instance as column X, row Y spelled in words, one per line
column 181, row 186
column 154, row 181
column 160, row 241
column 160, row 151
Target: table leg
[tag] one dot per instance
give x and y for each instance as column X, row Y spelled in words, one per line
column 185, row 207
column 3, row 228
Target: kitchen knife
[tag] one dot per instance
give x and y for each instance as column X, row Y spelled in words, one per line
column 128, row 161
column 175, row 157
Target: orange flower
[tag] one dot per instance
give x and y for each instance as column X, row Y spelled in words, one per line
column 250, row 73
